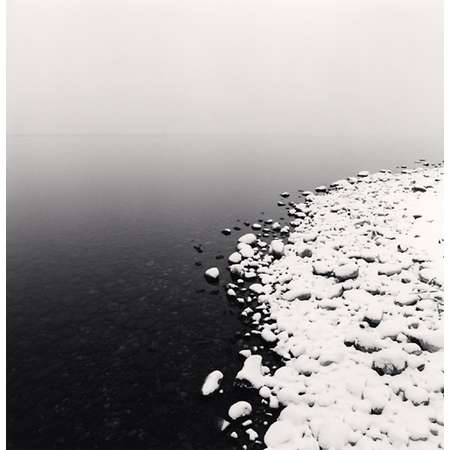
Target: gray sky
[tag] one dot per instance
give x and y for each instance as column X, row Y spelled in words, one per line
column 321, row 67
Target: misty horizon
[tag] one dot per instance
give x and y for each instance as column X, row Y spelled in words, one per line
column 102, row 68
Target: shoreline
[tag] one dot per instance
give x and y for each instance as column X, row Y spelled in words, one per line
column 350, row 298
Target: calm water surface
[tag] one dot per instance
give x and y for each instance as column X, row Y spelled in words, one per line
column 111, row 327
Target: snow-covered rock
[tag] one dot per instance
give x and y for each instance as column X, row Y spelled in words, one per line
column 390, row 362
column 235, row 258
column 240, row 409
column 322, row 268
column 276, row 248
column 246, row 251
column 268, row 335
column 280, row 434
column 374, row 314
column 248, row 238
column 428, row 340
column 389, row 269
column 297, row 291
column 252, row 371
column 333, row 434
column 252, row 434
column 212, row 274
column 346, row 272
column 212, row 382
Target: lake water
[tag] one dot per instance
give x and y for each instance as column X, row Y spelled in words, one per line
column 111, row 327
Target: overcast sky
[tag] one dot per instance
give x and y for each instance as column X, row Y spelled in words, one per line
column 321, row 67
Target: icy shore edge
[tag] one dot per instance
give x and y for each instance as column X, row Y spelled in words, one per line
column 351, row 298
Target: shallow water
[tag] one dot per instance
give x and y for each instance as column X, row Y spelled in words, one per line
column 111, row 325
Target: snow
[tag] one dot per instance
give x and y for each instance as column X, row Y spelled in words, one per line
column 212, row 382
column 353, row 306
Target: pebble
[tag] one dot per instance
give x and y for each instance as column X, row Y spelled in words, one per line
column 235, row 258
column 276, row 248
column 212, row 274
column 212, row 382
column 248, row 238
column 239, row 409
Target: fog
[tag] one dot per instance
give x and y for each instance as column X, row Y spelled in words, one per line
column 357, row 68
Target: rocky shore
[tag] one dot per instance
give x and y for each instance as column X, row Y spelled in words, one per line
column 349, row 296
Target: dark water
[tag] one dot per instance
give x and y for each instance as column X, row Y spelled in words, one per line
column 111, row 327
